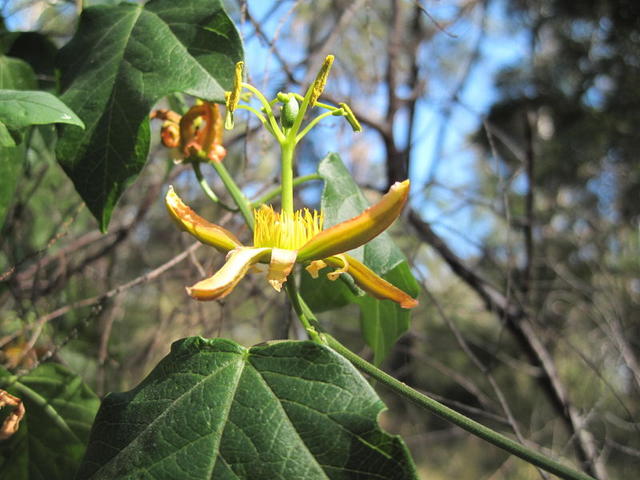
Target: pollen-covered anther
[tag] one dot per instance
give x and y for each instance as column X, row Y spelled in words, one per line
column 314, row 267
column 338, row 271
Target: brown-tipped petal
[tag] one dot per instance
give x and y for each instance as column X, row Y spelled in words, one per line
column 372, row 283
column 282, row 261
column 359, row 230
column 207, row 232
column 12, row 421
column 224, row 280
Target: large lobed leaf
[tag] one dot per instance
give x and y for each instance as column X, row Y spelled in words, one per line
column 122, row 60
column 214, row 409
column 382, row 321
column 52, row 437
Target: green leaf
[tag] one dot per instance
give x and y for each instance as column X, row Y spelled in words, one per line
column 11, row 162
column 34, row 48
column 16, row 74
column 120, row 62
column 214, row 409
column 6, row 138
column 52, row 436
column 382, row 321
column 21, row 108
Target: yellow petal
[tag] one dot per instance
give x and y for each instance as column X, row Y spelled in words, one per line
column 282, row 261
column 205, row 231
column 371, row 282
column 224, row 280
column 359, row 230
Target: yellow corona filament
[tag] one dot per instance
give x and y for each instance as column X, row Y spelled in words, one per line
column 285, row 230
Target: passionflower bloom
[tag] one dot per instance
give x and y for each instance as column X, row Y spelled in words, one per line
column 282, row 239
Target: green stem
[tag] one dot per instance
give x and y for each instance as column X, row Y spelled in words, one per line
column 207, row 189
column 267, row 109
column 276, row 191
column 288, row 148
column 239, row 198
column 312, row 124
column 305, row 315
column 456, row 418
column 255, row 112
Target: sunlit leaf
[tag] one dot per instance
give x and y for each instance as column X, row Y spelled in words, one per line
column 122, row 60
column 22, row 108
column 16, row 75
column 214, row 409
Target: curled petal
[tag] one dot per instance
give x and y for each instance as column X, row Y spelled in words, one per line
column 282, row 261
column 207, row 232
column 359, row 230
column 170, row 135
column 371, row 282
column 338, row 271
column 12, row 421
column 224, row 280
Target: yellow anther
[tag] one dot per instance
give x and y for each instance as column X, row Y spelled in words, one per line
column 344, row 269
column 233, row 97
column 321, row 80
column 314, row 267
column 351, row 118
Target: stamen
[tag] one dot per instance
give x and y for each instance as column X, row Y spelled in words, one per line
column 336, row 273
column 285, row 230
column 314, row 267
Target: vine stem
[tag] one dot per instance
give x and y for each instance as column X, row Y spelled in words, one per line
column 310, row 323
column 276, row 191
column 206, row 188
column 456, row 418
column 239, row 198
column 288, row 149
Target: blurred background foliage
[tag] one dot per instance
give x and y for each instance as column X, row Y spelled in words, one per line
column 517, row 122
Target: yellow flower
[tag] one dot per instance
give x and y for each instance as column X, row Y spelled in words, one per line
column 281, row 239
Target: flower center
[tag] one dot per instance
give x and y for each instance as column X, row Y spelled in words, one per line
column 285, row 230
